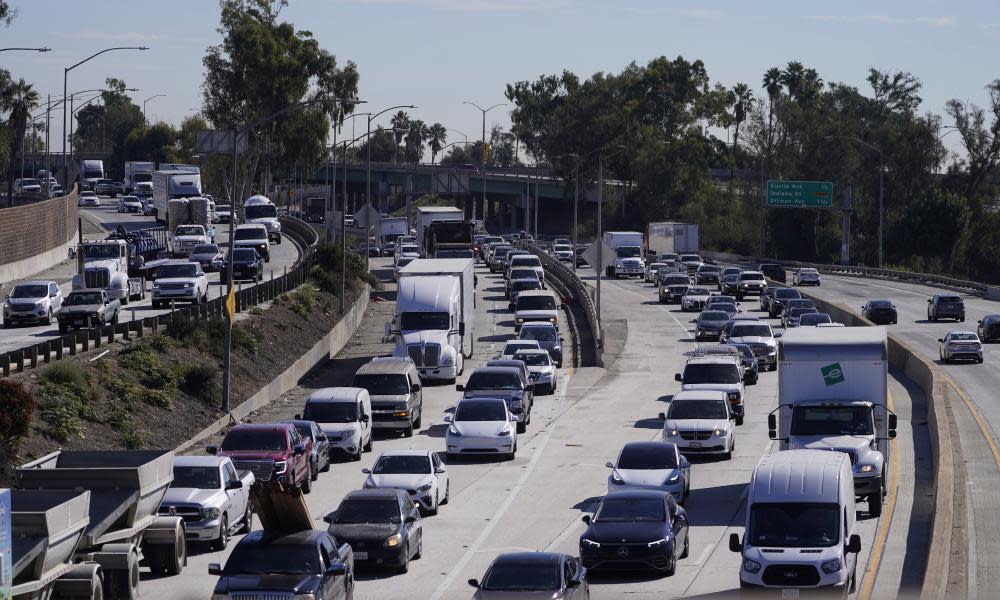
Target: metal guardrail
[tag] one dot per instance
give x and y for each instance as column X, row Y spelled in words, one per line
column 69, row 344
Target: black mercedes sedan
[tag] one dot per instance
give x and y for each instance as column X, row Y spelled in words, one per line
column 517, row 575
column 880, row 312
column 640, row 529
column 989, row 328
column 382, row 526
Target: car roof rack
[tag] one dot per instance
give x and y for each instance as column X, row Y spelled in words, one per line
column 708, row 351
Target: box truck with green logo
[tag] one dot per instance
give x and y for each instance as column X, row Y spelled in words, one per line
column 833, row 395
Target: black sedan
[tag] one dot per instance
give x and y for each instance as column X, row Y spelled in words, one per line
column 247, row 265
column 989, row 328
column 533, row 575
column 382, row 526
column 636, row 530
column 709, row 324
column 880, row 312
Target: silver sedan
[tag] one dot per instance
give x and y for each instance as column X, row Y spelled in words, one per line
column 958, row 345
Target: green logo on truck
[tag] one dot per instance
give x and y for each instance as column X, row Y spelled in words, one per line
column 832, row 374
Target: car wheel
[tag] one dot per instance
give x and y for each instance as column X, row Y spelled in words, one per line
column 368, row 446
column 433, row 510
column 522, row 426
column 671, row 565
column 739, row 420
column 222, row 540
column 405, row 566
column 447, row 493
column 420, row 547
column 314, row 470
column 687, row 546
column 62, row 327
column 979, row 360
column 307, row 485
column 875, row 505
column 408, row 430
column 247, row 519
column 48, row 320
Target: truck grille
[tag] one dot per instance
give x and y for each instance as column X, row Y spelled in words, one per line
column 96, row 278
column 758, row 349
column 22, row 307
column 171, row 286
column 790, row 575
column 190, row 514
column 261, row 469
column 851, row 453
column 424, row 355
column 695, row 435
column 261, row 595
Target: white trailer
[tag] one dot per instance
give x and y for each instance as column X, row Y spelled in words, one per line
column 671, row 238
column 172, row 185
column 428, row 214
column 393, row 227
column 832, row 395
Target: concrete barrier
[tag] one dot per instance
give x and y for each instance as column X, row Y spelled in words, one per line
column 321, row 351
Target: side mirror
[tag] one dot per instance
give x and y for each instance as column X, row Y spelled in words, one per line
column 677, row 377
column 446, row 419
column 854, row 544
column 440, row 470
column 365, row 418
column 366, row 470
column 214, row 569
column 513, row 418
column 572, row 583
column 586, row 519
column 940, row 340
column 459, row 387
column 410, row 519
column 212, row 449
column 298, row 449
column 328, row 518
column 685, row 463
column 298, row 417
column 778, row 335
column 235, row 485
column 415, row 387
column 735, row 545
column 321, row 437
column 662, row 416
column 892, row 422
column 530, row 387
column 461, row 328
column 929, row 301
column 609, row 465
column 474, row 583
column 337, row 569
column 772, row 422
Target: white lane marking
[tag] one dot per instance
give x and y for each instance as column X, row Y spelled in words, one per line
column 672, row 316
column 881, row 285
column 704, row 555
column 565, row 533
column 494, row 520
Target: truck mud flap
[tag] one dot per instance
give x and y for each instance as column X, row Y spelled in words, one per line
column 279, row 508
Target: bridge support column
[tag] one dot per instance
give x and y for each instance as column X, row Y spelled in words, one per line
column 481, row 210
column 469, row 208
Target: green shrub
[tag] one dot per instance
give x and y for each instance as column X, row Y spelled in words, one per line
column 142, row 361
column 132, row 439
column 181, row 328
column 201, row 381
column 61, row 408
column 64, row 372
column 127, row 395
column 18, row 409
column 158, row 398
column 256, row 311
column 160, row 342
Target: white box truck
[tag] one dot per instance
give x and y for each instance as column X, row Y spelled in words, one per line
column 671, row 238
column 139, row 178
column 627, row 249
column 172, row 185
column 393, row 227
column 428, row 214
column 832, row 395
column 436, row 315
column 800, row 524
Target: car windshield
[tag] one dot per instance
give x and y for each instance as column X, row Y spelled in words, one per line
column 422, row 321
column 534, row 359
column 726, row 307
column 690, row 258
column 798, row 312
column 964, row 337
column 745, row 350
column 832, row 420
column 512, row 347
column 526, row 261
column 794, row 525
column 190, row 230
column 562, row 248
column 880, row 304
column 713, row 315
column 368, row 510
column 331, row 412
column 949, row 300
column 101, row 251
column 409, row 248
column 142, row 177
column 520, row 285
column 751, row 330
column 453, row 254
column 168, row 271
column 383, row 384
column 205, row 249
column 708, row 269
column 201, row 478
column 539, row 334
column 403, row 261
column 631, row 509
column 260, row 211
column 493, row 380
column 648, row 456
column 535, row 303
column 29, row 291
column 81, row 299
column 698, row 292
column 814, row 319
column 800, row 303
column 696, row 373
column 402, row 465
column 786, row 293
column 244, row 254
column 480, row 411
column 628, row 251
column 676, row 280
column 808, row 272
column 272, row 440
column 523, row 274
column 273, row 559
column 250, row 233
column 522, row 576
column 697, row 409
column 223, row 208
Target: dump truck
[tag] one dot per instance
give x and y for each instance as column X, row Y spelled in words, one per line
column 125, row 489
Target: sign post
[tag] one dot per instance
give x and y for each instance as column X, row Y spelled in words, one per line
column 799, row 194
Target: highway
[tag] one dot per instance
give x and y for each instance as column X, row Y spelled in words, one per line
column 282, row 256
column 536, row 501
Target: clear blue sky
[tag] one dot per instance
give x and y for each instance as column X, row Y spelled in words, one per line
column 437, row 53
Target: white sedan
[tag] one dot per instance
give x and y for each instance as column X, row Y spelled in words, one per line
column 481, row 426
column 805, row 277
column 700, row 422
column 421, row 473
column 695, row 298
column 656, row 466
column 651, row 270
column 959, row 345
column 541, row 369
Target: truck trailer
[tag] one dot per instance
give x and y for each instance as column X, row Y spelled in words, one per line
column 671, row 238
column 173, row 185
column 429, row 214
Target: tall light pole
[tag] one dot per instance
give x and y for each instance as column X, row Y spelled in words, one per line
column 147, row 100
column 26, row 49
column 881, row 187
column 483, row 170
column 65, row 89
column 600, row 224
column 368, row 169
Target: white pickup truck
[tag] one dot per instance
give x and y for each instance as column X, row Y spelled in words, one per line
column 211, row 497
column 186, row 237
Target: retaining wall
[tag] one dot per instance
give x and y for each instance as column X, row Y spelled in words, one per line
column 34, row 237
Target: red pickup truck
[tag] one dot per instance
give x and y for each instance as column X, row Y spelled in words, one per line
column 270, row 451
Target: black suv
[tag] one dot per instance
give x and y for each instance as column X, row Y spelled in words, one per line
column 773, row 271
column 945, row 306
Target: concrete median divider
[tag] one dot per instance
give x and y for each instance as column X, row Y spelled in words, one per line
column 321, row 351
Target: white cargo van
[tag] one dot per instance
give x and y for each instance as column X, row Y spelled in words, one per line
column 344, row 414
column 832, row 392
column 800, row 523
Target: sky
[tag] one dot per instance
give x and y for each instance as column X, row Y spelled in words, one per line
column 435, row 54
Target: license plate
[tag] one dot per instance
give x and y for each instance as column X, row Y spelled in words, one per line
column 696, row 444
column 360, row 556
column 789, row 594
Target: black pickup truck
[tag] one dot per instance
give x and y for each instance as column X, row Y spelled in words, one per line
column 88, row 308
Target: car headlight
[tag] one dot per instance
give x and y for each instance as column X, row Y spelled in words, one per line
column 211, row 513
column 156, row 285
column 616, row 478
column 832, row 566
column 672, row 433
column 188, row 285
column 589, row 543
column 733, row 396
column 657, row 543
column 425, row 488
column 519, row 320
column 454, row 432
column 393, row 540
column 447, row 360
column 504, row 433
column 719, row 431
column 751, row 566
column 674, row 478
column 280, row 467
column 864, row 468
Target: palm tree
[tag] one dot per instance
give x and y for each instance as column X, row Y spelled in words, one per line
column 744, row 96
column 399, row 121
column 415, row 136
column 437, row 135
column 20, row 98
column 792, row 78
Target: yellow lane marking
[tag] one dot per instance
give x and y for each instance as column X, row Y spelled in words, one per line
column 983, row 427
column 882, row 535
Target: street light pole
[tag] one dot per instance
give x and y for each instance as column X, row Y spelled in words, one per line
column 147, row 100
column 599, row 241
column 26, row 49
column 483, row 157
column 65, row 90
column 368, row 168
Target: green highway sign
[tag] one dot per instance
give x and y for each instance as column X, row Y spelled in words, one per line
column 807, row 194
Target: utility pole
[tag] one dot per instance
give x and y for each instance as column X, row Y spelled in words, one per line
column 483, row 157
column 600, row 241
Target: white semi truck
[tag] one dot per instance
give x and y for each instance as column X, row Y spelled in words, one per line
column 170, row 185
column 671, row 238
column 435, row 315
column 139, row 178
column 627, row 258
column 832, row 395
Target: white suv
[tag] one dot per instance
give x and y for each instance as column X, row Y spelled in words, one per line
column 180, row 281
column 715, row 372
column 253, row 236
